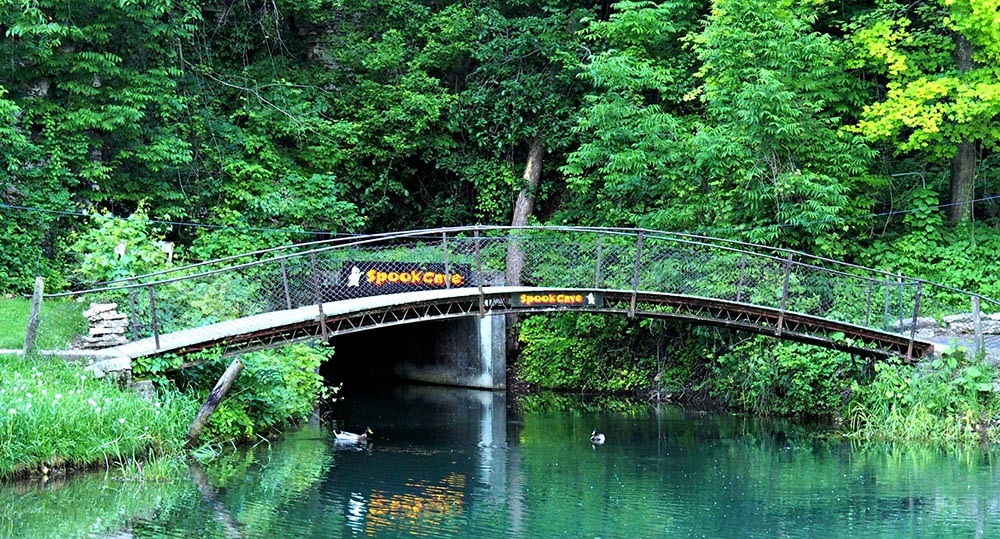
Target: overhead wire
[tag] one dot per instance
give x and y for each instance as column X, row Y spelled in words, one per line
column 169, row 222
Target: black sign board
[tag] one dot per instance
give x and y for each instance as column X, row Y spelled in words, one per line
column 375, row 278
column 568, row 300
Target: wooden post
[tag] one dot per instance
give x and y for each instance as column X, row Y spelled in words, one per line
column 977, row 327
column 214, row 398
column 33, row 317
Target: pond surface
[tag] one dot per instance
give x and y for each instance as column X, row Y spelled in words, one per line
column 462, row 463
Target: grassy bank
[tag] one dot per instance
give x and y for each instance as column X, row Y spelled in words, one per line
column 59, row 323
column 55, row 416
column 13, row 322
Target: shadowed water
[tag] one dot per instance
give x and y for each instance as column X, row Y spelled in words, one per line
column 462, row 463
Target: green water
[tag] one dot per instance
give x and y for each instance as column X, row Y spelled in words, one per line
column 460, row 463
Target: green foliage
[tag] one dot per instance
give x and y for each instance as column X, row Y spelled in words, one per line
column 957, row 256
column 198, row 302
column 948, row 400
column 97, row 84
column 766, row 377
column 634, row 155
column 773, row 151
column 931, row 103
column 275, row 388
column 556, row 356
column 118, row 248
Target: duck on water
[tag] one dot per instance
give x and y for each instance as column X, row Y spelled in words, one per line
column 351, row 438
column 596, row 437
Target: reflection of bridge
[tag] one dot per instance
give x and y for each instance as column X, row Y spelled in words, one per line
column 329, row 288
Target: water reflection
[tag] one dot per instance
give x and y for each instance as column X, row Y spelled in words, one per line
column 458, row 463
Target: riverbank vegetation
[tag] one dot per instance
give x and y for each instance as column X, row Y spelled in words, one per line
column 949, row 399
column 58, row 417
column 139, row 135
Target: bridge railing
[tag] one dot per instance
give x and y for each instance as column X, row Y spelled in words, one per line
column 546, row 257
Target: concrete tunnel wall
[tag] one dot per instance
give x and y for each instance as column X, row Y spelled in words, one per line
column 466, row 352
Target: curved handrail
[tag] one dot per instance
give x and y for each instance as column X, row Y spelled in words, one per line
column 362, row 239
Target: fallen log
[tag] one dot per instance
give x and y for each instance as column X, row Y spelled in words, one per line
column 214, row 398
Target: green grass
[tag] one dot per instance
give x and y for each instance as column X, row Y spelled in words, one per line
column 55, row 415
column 13, row 322
column 60, row 322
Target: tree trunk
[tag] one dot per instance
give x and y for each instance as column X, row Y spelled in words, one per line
column 963, row 179
column 523, row 208
column 963, row 166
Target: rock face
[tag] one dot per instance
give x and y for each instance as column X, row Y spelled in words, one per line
column 962, row 323
column 107, row 326
column 953, row 325
column 958, row 331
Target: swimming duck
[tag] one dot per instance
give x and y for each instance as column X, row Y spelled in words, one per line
column 350, row 437
column 597, row 437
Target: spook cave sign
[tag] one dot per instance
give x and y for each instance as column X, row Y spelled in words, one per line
column 360, row 279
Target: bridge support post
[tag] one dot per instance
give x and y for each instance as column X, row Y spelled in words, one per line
column 152, row 314
column 784, row 294
column 635, row 276
column 324, row 333
column 913, row 322
column 597, row 268
column 136, row 331
column 739, row 285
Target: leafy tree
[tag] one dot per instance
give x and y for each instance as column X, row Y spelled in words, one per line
column 774, row 156
column 118, row 248
column 91, row 117
column 633, row 163
column 96, row 83
column 939, row 61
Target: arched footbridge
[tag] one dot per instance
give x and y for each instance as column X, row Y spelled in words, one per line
column 323, row 289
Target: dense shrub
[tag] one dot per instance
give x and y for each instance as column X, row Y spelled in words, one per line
column 947, row 399
column 276, row 387
column 586, row 352
column 765, row 376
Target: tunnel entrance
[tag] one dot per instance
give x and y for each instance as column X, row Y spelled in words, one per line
column 372, row 357
column 463, row 352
